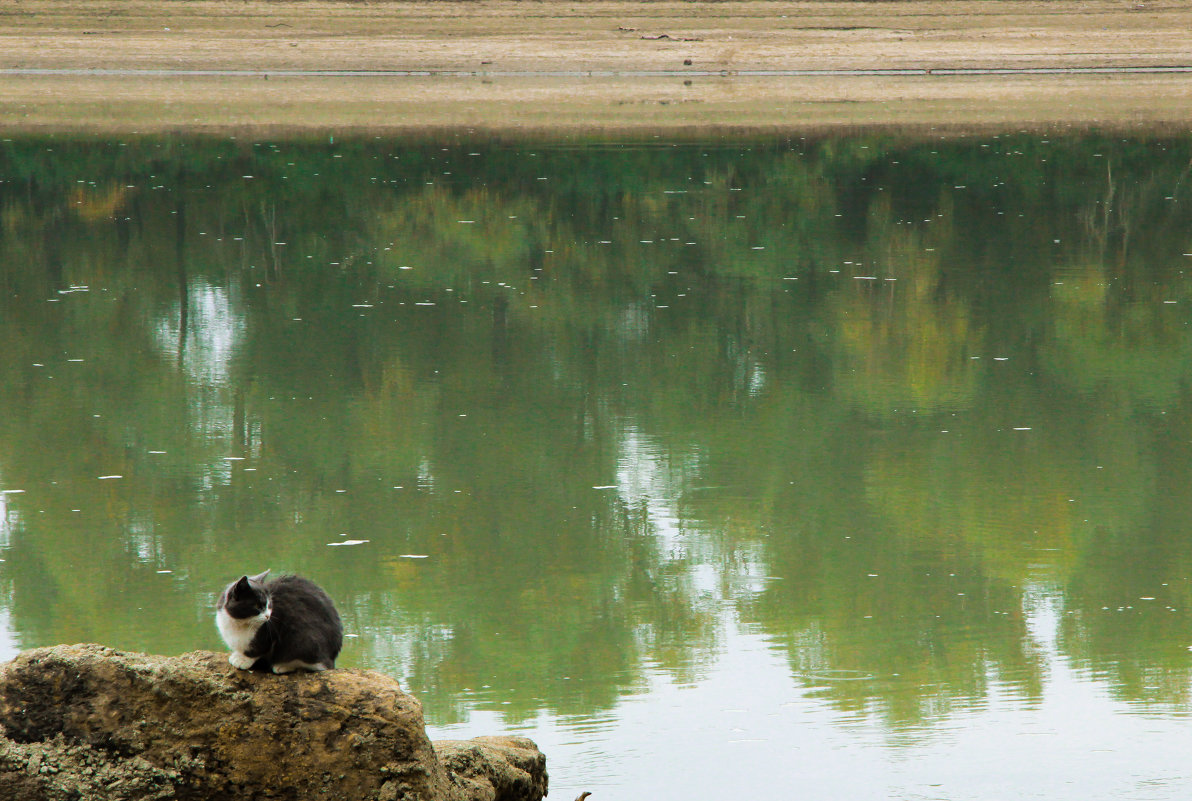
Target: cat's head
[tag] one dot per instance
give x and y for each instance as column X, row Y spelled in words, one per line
column 247, row 597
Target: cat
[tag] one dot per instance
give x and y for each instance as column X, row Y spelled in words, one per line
column 283, row 624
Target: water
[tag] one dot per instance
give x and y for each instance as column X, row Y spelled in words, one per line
column 856, row 464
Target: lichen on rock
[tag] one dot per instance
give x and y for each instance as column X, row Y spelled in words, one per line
column 85, row 721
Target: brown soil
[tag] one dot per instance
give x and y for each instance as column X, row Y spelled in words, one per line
column 514, row 66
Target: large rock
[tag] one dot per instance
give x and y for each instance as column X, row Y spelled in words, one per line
column 89, row 722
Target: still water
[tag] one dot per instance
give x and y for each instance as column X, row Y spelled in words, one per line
column 849, row 467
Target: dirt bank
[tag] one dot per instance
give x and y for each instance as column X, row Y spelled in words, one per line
column 665, row 66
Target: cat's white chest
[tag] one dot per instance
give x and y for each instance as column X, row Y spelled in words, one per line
column 238, row 632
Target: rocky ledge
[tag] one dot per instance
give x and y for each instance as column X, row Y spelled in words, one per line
column 89, row 722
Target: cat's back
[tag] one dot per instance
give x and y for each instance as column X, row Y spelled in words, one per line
column 298, row 601
column 300, row 591
column 306, row 625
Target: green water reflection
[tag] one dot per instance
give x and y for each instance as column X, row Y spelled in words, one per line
column 596, row 410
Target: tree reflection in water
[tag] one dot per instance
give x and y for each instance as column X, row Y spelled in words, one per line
column 910, row 410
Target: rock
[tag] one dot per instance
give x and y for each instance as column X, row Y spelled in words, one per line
column 85, row 721
column 490, row 768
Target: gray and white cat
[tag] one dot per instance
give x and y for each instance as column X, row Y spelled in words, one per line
column 283, row 624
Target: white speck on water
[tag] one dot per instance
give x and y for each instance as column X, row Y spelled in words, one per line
column 413, row 556
column 1022, row 428
column 11, row 492
column 161, row 572
column 105, row 478
column 348, row 542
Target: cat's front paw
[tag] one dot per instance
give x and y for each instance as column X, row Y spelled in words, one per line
column 239, row 660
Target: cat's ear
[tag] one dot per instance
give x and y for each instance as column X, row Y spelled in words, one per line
column 259, row 578
column 241, row 588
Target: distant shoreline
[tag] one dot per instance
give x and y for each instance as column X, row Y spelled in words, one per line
column 592, row 67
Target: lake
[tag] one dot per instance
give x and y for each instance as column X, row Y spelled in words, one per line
column 849, row 466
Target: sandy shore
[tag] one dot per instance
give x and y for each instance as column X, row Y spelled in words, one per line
column 595, row 66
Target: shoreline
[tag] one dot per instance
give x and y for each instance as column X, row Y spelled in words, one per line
column 601, row 68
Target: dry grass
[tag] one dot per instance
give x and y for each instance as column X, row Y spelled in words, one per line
column 512, row 46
